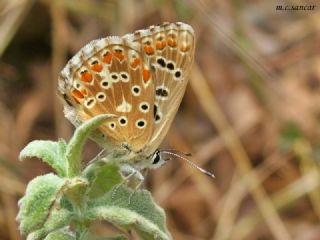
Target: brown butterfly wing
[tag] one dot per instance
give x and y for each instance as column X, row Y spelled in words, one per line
column 107, row 76
column 169, row 49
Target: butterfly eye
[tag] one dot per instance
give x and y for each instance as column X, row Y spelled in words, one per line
column 156, row 158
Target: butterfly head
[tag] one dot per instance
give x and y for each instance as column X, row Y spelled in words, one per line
column 139, row 159
column 156, row 160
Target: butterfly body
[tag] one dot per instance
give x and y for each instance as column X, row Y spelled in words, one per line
column 139, row 79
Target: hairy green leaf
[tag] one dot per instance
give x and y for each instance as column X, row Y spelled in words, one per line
column 75, row 190
column 127, row 211
column 50, row 152
column 61, row 234
column 35, row 206
column 106, row 177
column 57, row 219
column 110, row 238
column 74, row 148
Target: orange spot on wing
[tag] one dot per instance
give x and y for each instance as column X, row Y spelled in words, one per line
column 135, row 62
column 86, row 77
column 148, row 49
column 119, row 55
column 107, row 58
column 146, row 75
column 77, row 95
column 185, row 47
column 171, row 42
column 84, row 91
column 97, row 67
column 160, row 45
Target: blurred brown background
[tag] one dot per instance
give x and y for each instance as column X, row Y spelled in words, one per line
column 250, row 114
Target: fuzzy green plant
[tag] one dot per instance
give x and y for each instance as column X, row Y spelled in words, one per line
column 62, row 206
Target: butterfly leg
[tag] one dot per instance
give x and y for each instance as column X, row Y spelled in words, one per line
column 136, row 188
column 138, row 176
column 130, row 172
column 98, row 157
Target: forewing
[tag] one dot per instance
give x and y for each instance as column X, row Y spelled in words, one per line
column 107, row 76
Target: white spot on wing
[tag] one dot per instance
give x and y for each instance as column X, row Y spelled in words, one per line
column 141, row 123
column 90, row 102
column 105, row 84
column 162, row 92
column 105, row 73
column 123, row 121
column 114, row 77
column 144, row 107
column 101, row 96
column 124, row 106
column 124, row 77
column 136, row 90
column 112, row 125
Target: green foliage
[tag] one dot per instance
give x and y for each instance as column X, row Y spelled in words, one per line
column 99, row 184
column 111, row 238
column 60, row 235
column 56, row 219
column 142, row 214
column 40, row 195
column 50, row 152
column 73, row 150
column 289, row 135
column 63, row 206
column 183, row 11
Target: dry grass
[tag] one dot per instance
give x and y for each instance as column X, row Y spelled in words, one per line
column 250, row 113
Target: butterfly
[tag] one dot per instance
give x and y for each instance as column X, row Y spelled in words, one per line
column 140, row 78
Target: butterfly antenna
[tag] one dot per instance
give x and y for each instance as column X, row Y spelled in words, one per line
column 175, row 154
